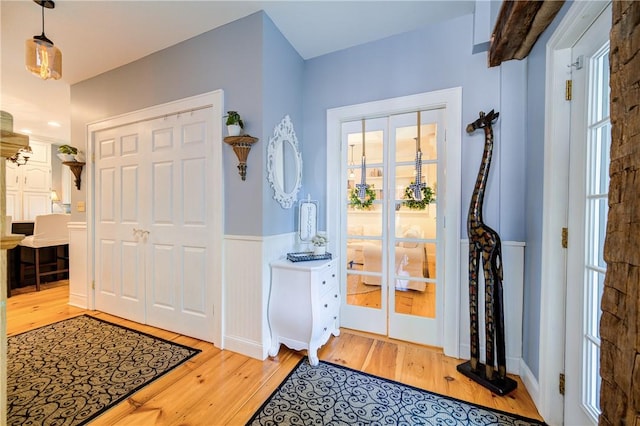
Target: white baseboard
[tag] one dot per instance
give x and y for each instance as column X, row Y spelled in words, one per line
column 245, row 347
column 530, row 382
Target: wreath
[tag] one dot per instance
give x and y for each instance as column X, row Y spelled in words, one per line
column 355, row 201
column 428, row 197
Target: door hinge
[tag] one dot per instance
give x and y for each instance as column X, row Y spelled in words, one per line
column 561, row 384
column 568, row 90
column 565, row 237
column 93, row 284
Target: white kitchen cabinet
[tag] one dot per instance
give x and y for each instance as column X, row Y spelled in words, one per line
column 304, row 304
column 29, row 186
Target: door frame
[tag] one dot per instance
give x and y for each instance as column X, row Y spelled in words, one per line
column 578, row 18
column 451, row 99
column 215, row 100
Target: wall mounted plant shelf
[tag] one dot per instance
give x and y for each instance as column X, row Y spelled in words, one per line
column 241, row 146
column 76, row 169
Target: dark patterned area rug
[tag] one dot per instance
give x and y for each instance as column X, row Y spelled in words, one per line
column 330, row 394
column 70, row 372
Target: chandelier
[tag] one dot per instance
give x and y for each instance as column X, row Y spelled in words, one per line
column 42, row 57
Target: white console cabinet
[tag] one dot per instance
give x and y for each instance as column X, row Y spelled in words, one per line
column 304, row 304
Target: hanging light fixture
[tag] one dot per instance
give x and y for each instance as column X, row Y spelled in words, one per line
column 22, row 156
column 42, row 57
column 352, row 174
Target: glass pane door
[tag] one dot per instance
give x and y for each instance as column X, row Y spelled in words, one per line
column 392, row 227
column 596, row 211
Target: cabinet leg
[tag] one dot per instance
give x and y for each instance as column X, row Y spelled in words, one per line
column 313, row 356
column 274, row 349
column 336, row 332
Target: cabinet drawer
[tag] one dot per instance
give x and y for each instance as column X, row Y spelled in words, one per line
column 329, row 304
column 328, row 280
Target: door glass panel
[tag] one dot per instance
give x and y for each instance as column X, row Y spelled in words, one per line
column 596, row 209
column 414, row 218
column 391, row 234
column 365, row 257
column 406, row 142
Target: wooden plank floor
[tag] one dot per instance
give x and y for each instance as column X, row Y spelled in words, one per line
column 222, row 387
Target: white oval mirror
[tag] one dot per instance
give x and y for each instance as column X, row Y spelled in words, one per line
column 284, row 163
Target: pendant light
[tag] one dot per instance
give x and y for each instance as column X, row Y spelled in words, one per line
column 352, row 174
column 42, row 57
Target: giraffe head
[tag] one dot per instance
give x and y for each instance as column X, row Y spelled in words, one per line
column 485, row 120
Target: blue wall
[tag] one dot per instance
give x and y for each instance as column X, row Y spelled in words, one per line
column 536, row 75
column 432, row 58
column 261, row 76
column 282, row 95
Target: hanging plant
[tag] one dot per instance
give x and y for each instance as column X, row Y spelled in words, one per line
column 428, row 196
column 365, row 204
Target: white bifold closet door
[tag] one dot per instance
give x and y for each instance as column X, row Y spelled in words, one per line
column 153, row 219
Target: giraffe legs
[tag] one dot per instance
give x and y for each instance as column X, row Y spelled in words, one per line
column 474, row 257
column 498, row 308
column 494, row 312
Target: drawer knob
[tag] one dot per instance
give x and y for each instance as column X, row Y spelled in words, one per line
column 335, row 295
column 326, row 305
column 324, row 282
column 333, row 275
column 325, row 329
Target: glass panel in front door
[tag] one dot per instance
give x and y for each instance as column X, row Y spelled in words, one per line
column 596, row 205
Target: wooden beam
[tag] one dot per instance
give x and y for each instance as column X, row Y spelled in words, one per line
column 519, row 24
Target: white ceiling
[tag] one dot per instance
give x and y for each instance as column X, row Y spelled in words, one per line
column 97, row 36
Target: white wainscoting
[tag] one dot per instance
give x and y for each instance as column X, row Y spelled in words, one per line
column 79, row 284
column 513, row 284
column 247, row 280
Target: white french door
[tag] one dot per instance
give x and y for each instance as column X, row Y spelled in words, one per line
column 156, row 223
column 393, row 236
column 587, row 220
column 398, row 283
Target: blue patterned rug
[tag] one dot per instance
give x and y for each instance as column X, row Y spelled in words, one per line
column 70, row 372
column 330, row 394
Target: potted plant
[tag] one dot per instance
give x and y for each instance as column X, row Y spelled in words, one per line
column 67, row 152
column 234, row 123
column 319, row 242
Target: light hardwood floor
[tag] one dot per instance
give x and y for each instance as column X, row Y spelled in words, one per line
column 222, row 387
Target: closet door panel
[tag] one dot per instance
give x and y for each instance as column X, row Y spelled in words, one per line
column 120, row 244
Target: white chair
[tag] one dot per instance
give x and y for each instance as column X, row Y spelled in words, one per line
column 49, row 231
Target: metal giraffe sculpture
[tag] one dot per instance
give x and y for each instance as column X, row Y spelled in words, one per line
column 485, row 242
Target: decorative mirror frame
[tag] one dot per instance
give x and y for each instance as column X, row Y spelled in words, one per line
column 284, row 133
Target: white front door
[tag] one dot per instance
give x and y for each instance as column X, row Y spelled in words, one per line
column 155, row 222
column 587, row 219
